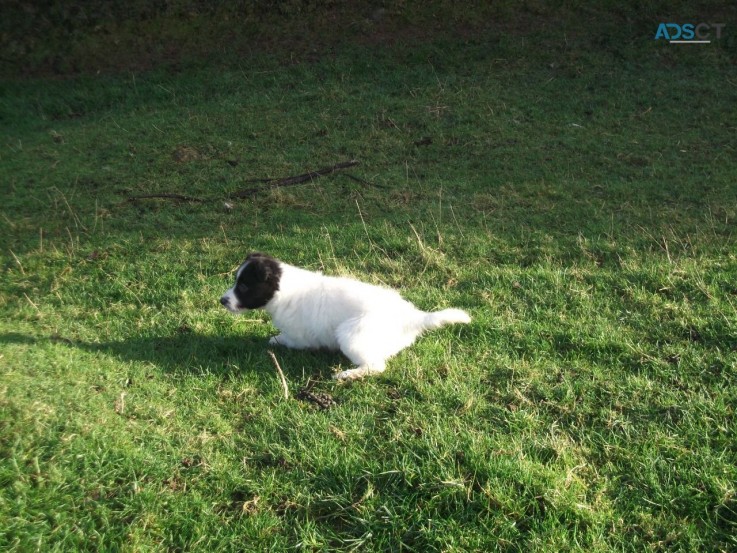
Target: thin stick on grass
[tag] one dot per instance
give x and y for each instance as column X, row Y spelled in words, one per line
column 20, row 265
column 120, row 404
column 363, row 181
column 180, row 197
column 294, row 180
column 31, row 302
column 281, row 374
column 272, row 183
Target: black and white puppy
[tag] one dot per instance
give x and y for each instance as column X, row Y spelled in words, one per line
column 367, row 323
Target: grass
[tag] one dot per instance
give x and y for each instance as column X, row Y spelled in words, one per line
column 578, row 201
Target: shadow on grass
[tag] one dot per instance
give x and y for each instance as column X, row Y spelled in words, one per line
column 190, row 354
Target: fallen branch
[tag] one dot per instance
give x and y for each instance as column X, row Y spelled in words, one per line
column 294, row 180
column 271, row 182
column 180, row 197
column 364, row 182
column 281, row 374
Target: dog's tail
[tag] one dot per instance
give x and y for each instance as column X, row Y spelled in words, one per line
column 444, row 317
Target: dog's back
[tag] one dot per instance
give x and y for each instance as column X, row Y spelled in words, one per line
column 310, row 307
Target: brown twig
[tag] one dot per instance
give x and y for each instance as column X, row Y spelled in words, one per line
column 271, row 182
column 294, row 180
column 281, row 374
column 362, row 181
column 181, row 197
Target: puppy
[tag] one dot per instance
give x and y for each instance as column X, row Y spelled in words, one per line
column 369, row 324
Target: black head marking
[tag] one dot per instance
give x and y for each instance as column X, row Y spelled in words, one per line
column 257, row 281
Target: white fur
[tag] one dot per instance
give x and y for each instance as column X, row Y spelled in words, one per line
column 369, row 324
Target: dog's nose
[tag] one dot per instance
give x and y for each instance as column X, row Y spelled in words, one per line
column 224, row 300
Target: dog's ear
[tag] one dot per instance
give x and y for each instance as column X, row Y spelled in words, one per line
column 262, row 267
column 253, row 256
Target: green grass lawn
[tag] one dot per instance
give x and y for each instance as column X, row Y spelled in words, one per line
column 578, row 198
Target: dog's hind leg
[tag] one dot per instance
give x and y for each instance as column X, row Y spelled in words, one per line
column 367, row 362
column 360, row 371
column 364, row 341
